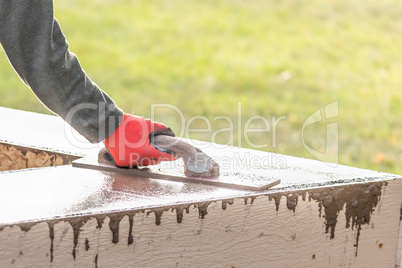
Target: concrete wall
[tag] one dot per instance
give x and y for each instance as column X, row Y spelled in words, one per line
column 319, row 216
column 346, row 226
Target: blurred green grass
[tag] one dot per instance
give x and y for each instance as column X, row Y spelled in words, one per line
column 278, row 58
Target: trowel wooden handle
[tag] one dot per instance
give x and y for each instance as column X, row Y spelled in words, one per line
column 196, row 162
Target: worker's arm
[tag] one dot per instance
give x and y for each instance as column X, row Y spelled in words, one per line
column 37, row 49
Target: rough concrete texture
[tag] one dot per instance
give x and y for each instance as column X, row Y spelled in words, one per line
column 13, row 157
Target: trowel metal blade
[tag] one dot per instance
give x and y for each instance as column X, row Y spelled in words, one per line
column 238, row 177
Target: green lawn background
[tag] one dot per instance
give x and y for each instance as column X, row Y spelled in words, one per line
column 277, row 58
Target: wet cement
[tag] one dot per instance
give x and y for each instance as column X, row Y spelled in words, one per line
column 99, row 220
column 96, row 261
column 226, row 202
column 291, row 201
column 77, row 223
column 357, row 200
column 130, row 239
column 59, row 192
column 87, row 244
column 51, row 235
column 71, row 194
column 114, row 224
column 277, row 198
column 180, row 212
column 62, row 191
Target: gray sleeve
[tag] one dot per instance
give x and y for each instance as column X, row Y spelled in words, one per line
column 37, row 49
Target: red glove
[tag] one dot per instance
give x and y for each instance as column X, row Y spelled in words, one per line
column 129, row 144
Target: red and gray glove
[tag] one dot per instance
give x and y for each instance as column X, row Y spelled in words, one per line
column 129, row 145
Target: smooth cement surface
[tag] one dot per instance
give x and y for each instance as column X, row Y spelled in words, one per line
column 63, row 191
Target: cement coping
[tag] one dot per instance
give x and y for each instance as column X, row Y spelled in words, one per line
column 41, row 194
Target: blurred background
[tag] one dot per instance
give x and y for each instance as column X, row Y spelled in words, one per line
column 238, row 59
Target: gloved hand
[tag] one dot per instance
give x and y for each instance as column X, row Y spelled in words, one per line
column 130, row 146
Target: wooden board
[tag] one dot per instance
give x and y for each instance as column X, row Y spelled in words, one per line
column 236, row 172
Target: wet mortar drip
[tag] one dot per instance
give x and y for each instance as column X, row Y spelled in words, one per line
column 51, row 235
column 400, row 214
column 99, row 220
column 361, row 207
column 86, row 244
column 158, row 215
column 77, row 223
column 203, row 209
column 179, row 212
column 130, row 238
column 251, row 198
column 303, row 194
column 26, row 226
column 226, row 202
column 96, row 261
column 114, row 224
column 359, row 202
column 291, row 201
column 277, row 198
